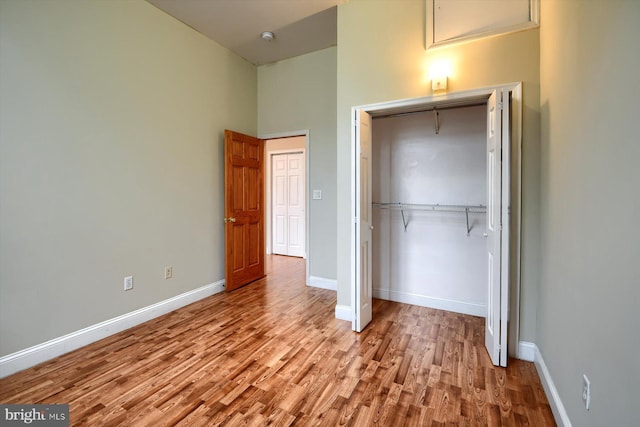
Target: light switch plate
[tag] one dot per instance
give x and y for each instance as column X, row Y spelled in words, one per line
column 317, row 194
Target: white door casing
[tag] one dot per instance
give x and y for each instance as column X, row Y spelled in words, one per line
column 288, row 201
column 362, row 222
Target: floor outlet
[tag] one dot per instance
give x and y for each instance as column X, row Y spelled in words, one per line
column 128, row 283
column 168, row 272
column 586, row 392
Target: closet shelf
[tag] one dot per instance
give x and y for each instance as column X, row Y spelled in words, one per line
column 432, row 207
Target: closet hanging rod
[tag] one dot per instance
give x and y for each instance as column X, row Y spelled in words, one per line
column 432, row 207
column 425, row 110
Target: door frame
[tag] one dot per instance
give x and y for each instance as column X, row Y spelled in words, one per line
column 289, row 134
column 514, row 119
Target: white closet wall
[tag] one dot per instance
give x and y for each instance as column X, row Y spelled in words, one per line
column 433, row 263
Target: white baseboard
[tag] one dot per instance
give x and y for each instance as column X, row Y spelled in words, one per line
column 32, row 356
column 559, row 413
column 324, row 283
column 431, row 302
column 343, row 312
column 527, row 351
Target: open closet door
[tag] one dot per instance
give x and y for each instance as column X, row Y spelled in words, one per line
column 362, row 300
column 505, row 204
column 497, row 230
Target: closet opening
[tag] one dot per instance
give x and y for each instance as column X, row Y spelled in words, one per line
column 432, row 207
column 429, row 202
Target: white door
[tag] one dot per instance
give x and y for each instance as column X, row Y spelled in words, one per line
column 287, row 194
column 495, row 337
column 505, row 206
column 362, row 223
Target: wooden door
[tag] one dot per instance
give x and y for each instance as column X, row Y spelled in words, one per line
column 243, row 209
column 288, row 232
column 363, row 299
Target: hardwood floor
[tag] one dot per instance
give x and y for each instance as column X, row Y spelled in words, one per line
column 272, row 353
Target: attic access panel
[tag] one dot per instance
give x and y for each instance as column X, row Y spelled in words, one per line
column 456, row 21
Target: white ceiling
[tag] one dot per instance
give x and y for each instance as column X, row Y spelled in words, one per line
column 300, row 26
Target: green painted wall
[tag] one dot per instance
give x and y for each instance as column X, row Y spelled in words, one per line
column 299, row 94
column 587, row 319
column 112, row 116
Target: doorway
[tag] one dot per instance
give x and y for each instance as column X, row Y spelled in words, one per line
column 286, row 180
column 503, row 134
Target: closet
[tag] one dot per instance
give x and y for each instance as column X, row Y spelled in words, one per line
column 428, row 193
column 423, row 171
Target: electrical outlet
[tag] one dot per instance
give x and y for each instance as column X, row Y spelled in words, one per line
column 586, row 392
column 128, row 283
column 168, row 272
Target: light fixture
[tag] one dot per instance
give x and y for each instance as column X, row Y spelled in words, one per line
column 267, row 36
column 439, row 71
column 439, row 84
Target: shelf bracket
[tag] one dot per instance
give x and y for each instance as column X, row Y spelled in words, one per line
column 404, row 221
column 466, row 211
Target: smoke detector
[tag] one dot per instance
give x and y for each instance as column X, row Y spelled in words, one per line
column 267, row 36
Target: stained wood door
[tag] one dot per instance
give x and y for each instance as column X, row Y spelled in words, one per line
column 243, row 209
column 363, row 298
column 288, row 228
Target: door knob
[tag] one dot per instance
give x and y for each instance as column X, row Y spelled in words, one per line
column 230, row 219
column 484, row 234
column 371, row 227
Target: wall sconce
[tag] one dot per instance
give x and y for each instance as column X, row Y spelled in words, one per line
column 439, row 71
column 439, row 84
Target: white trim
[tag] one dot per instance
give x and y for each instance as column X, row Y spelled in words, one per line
column 343, row 312
column 431, row 302
column 559, row 413
column 516, row 224
column 460, row 97
column 323, row 282
column 526, row 351
column 39, row 353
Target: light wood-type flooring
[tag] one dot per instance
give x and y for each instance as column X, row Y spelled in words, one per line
column 272, row 353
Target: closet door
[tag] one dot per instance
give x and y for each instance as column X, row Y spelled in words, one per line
column 363, row 281
column 494, row 238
